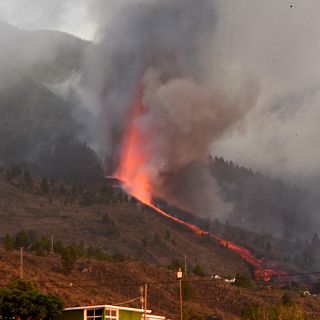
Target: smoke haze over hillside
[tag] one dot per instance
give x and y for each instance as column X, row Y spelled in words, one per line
column 238, row 79
column 275, row 43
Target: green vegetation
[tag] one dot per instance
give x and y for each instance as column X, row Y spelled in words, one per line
column 156, row 241
column 69, row 258
column 20, row 300
column 192, row 314
column 175, row 265
column 187, row 290
column 9, row 242
column 243, row 281
column 112, row 230
column 77, row 193
column 198, row 270
column 285, row 310
column 41, row 245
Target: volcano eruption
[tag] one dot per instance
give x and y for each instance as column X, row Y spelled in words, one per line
column 137, row 182
column 163, row 108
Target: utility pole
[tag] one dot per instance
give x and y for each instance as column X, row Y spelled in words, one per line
column 185, row 264
column 21, row 263
column 52, row 251
column 145, row 301
column 141, row 289
column 179, row 278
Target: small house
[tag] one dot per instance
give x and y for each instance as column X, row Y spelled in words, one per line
column 107, row 312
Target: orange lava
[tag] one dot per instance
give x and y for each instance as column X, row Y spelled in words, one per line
column 260, row 272
column 132, row 171
column 133, row 158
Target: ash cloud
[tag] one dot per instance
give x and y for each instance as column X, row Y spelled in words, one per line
column 278, row 44
column 165, row 48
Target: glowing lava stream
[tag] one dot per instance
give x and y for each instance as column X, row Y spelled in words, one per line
column 135, row 177
column 133, row 158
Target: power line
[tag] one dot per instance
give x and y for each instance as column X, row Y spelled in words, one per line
column 190, row 280
column 137, row 284
column 128, row 301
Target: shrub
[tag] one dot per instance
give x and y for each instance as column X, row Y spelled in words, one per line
column 167, row 235
column 187, row 291
column 157, row 240
column 58, row 247
column 42, row 246
column 9, row 242
column 22, row 239
column 69, row 258
column 28, row 180
column 242, row 281
column 118, row 257
column 198, row 270
column 191, row 314
column 113, row 230
column 8, row 175
column 45, row 186
column 276, row 312
column 286, row 300
column 175, row 265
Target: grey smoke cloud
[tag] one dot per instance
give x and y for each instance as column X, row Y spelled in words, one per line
column 217, row 49
column 277, row 43
column 274, row 42
column 164, row 48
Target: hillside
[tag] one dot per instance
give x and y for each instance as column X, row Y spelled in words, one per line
column 43, row 55
column 94, row 282
column 116, row 225
column 40, row 106
column 100, row 218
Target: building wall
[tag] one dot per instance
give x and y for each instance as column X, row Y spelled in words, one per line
column 72, row 315
column 129, row 315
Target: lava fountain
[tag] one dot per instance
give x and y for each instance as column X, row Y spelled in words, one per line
column 133, row 173
column 133, row 158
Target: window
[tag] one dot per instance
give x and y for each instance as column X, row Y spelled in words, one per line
column 111, row 314
column 94, row 314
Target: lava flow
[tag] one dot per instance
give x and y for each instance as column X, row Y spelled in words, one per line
column 132, row 171
column 133, row 158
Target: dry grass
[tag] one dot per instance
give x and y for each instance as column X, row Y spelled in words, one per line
column 74, row 223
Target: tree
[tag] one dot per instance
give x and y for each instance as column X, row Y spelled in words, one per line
column 42, row 246
column 20, row 300
column 243, row 281
column 45, row 185
column 69, row 258
column 198, row 270
column 9, row 242
column 187, row 290
column 175, row 265
column 22, row 239
column 58, row 247
column 157, row 240
column 167, row 235
column 28, row 179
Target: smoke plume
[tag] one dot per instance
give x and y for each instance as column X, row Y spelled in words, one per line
column 162, row 49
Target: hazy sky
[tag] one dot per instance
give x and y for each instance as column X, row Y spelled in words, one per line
column 71, row 16
column 276, row 43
